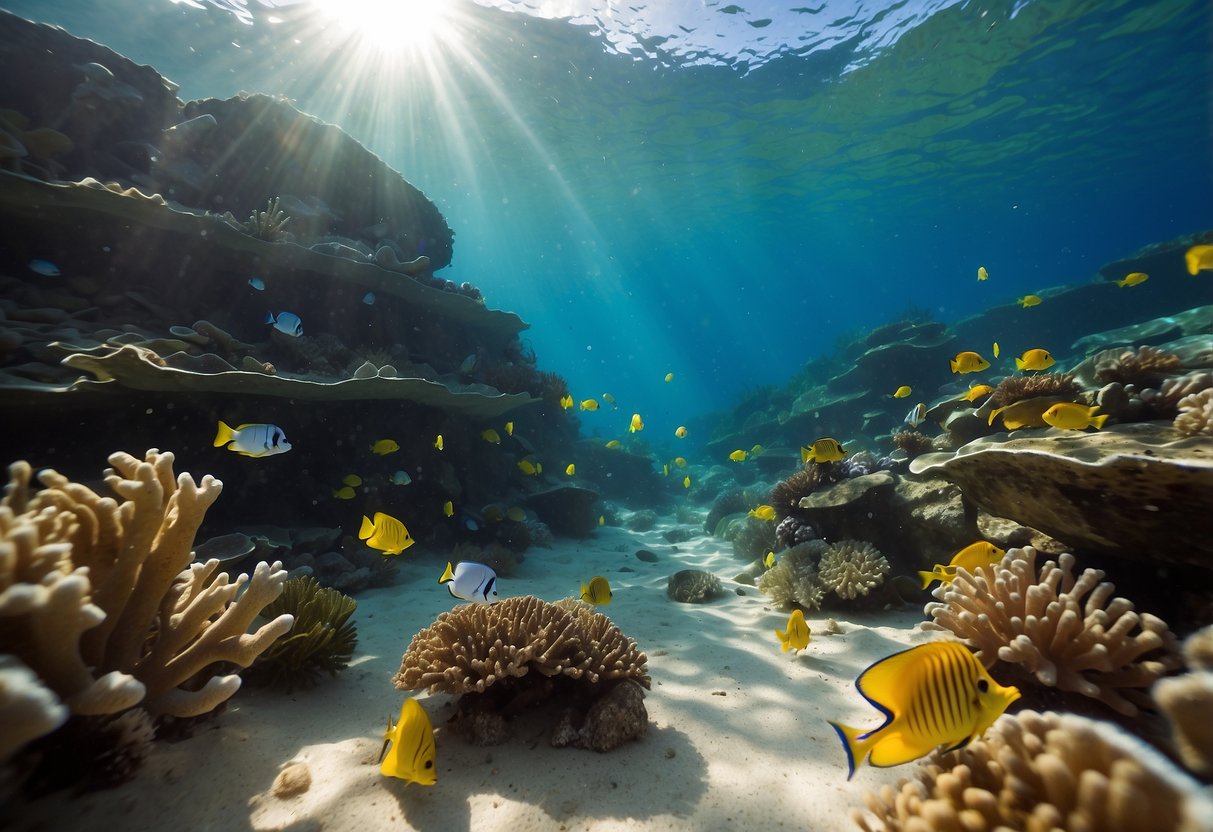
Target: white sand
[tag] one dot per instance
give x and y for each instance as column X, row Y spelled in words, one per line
column 737, row 739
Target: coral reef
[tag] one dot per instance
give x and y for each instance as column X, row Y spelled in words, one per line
column 566, row 509
column 787, row 493
column 792, row 581
column 693, row 586
column 1014, row 389
column 1143, row 366
column 863, row 463
column 1187, row 702
column 793, row 530
column 752, row 538
column 1039, row 772
column 28, row 709
column 1196, row 414
column 616, row 717
column 912, row 443
column 321, row 640
column 1070, row 632
column 851, row 568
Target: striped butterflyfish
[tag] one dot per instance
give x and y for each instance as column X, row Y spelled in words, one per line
column 412, row 746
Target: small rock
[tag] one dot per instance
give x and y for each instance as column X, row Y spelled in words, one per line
column 646, row 556
column 693, row 586
column 293, row 780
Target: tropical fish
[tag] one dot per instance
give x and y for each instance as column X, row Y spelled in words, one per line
column 637, row 423
column 369, row 298
column 602, row 519
column 490, row 435
column 609, row 399
column 448, row 509
column 1037, row 359
column 493, row 513
column 823, row 450
column 589, row 404
column 1133, row 279
column 352, row 480
column 570, row 469
column 665, row 469
column 996, row 350
column 614, row 443
column 669, row 377
column 257, row 283
column 756, row 450
column 981, row 553
column 1199, row 258
column 345, row 492
column 516, row 514
column 1028, row 300
column 438, row 443
column 681, row 431
column 916, row 415
column 763, row 512
column 902, row 391
column 253, row 439
column 982, row 274
column 968, row 362
column 287, row 323
column 468, row 364
column 686, row 481
column 1025, row 413
column 1070, row 416
column 935, row 694
column 400, row 478
column 48, row 269
column 596, row 592
column 738, row 455
column 769, row 560
column 509, row 428
column 977, row 391
column 796, row 636
column 566, row 402
column 383, row 447
column 527, row 467
column 470, row 581
column 412, row 757
column 680, row 461
column 385, row 533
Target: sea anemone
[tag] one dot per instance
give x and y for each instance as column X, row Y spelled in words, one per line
column 912, row 443
column 1017, row 388
column 785, row 496
column 1143, row 366
column 269, row 224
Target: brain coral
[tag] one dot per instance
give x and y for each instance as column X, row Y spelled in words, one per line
column 1069, row 631
column 852, row 568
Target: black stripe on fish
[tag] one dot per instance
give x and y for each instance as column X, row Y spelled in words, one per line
column 488, row 588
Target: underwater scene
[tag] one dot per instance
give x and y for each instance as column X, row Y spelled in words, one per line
column 573, row 415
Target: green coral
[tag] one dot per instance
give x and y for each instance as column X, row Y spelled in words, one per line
column 322, row 639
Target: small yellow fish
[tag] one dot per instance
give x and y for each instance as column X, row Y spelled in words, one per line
column 490, row 435
column 1070, row 416
column 448, row 509
column 996, row 350
column 1199, row 258
column 1133, row 279
column 566, row 402
column 596, row 592
column 768, row 561
column 1037, row 359
column 570, row 469
column 614, row 443
column 669, row 377
column 935, row 694
column 738, row 455
column 1028, row 300
column 686, row 481
column 982, row 274
column 756, row 450
column 681, row 431
column 385, row 533
column 823, row 450
column 981, row 553
column 345, row 493
column 902, row 391
column 977, row 391
column 665, row 469
column 637, row 424
column 589, row 404
column 352, row 480
column 602, row 519
column 438, row 442
column 413, row 753
column 516, row 514
column 538, row 468
column 680, row 461
column 796, row 636
column 509, row 428
column 763, row 512
column 385, row 446
column 968, row 362
column 609, row 399
column 527, row 467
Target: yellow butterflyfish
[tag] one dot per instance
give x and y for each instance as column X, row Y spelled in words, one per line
column 413, row 754
column 669, row 377
column 516, row 514
column 637, row 424
column 902, row 391
column 665, row 469
column 968, row 362
column 686, row 481
column 738, row 455
column 756, row 450
column 566, row 402
column 1198, row 259
column 571, row 469
column 680, row 461
column 527, row 467
column 1070, row 416
column 977, row 391
column 823, row 450
column 448, row 509
column 769, row 560
column 614, row 443
column 438, row 442
column 589, row 404
column 1036, row 359
column 609, row 399
column 345, row 492
column 681, row 431
column 981, row 553
column 490, row 435
column 385, row 446
column 1028, row 300
column 596, row 592
column 982, row 274
column 1133, row 279
column 385, row 533
column 602, row 519
column 352, row 480
column 763, row 512
column 796, row 636
column 509, row 428
column 996, row 350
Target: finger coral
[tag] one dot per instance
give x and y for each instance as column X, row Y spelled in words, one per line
column 1040, row 772
column 1196, row 414
column 792, row 581
column 851, row 568
column 1187, row 702
column 1069, row 631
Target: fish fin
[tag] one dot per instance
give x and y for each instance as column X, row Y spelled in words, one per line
column 951, row 363
column 383, row 751
column 958, row 745
column 882, row 679
column 269, row 317
column 1019, row 363
column 855, row 746
column 927, row 578
column 368, row 528
column 447, row 576
column 994, row 413
column 784, row 639
column 893, row 749
column 585, row 592
column 1099, row 420
column 223, row 435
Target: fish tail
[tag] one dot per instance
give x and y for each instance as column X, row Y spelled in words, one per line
column 223, row 435
column 994, row 413
column 269, row 317
column 1099, row 420
column 1020, row 363
column 927, row 577
column 856, row 748
column 952, row 363
column 585, row 592
column 368, row 528
column 448, row 575
column 784, row 639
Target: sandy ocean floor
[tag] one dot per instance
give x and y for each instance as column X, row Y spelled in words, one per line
column 737, row 738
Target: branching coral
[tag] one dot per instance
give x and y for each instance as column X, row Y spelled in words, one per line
column 322, row 639
column 852, row 568
column 1070, row 632
column 269, row 224
column 1143, row 366
column 792, row 581
column 1165, row 400
column 1038, row 773
column 1187, row 701
column 1196, row 414
column 1017, row 388
column 785, row 496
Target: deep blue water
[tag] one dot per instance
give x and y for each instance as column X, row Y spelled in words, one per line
column 728, row 211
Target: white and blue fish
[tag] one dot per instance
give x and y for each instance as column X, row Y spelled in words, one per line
column 44, row 267
column 252, row 439
column 287, row 323
column 400, row 478
column 470, row 581
column 257, row 283
column 369, row 298
column 917, row 414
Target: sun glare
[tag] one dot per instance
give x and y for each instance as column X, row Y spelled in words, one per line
column 390, row 25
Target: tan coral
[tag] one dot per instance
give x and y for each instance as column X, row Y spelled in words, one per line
column 1069, row 631
column 1038, row 773
column 1143, row 366
column 474, row 646
column 1187, row 702
column 1013, row 389
column 792, row 581
column 1196, row 414
column 852, row 568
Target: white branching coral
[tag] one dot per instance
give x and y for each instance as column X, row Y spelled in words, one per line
column 852, row 568
column 1196, row 414
column 1069, row 631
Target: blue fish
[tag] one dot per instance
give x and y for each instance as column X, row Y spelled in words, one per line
column 369, row 298
column 287, row 323
column 257, row 283
column 44, row 267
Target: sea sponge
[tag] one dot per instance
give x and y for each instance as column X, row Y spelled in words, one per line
column 792, row 581
column 851, row 568
column 1187, row 702
column 1040, row 772
column 1017, row 388
column 1143, row 366
column 1070, row 632
column 322, row 639
column 1196, row 414
column 785, row 496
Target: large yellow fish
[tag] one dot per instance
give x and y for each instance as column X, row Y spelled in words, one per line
column 902, row 391
column 1025, row 413
column 596, row 592
column 352, row 480
column 981, row 553
column 823, row 450
column 968, row 362
column 490, row 435
column 681, row 431
column 738, row 455
column 1036, row 359
column 1133, row 279
column 413, row 753
column 385, row 533
column 796, row 636
column 769, row 561
column 686, row 481
column 637, row 423
column 935, row 694
column 1199, row 258
column 763, row 512
column 982, row 274
column 977, row 391
column 383, row 447
column 1071, row 416
column 589, row 404
column 1028, row 300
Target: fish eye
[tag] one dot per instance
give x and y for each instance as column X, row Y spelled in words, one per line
column 982, row 685
column 429, row 764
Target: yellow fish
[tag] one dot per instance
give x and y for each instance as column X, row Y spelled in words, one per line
column 670, row 376
column 902, row 391
column 566, row 402
column 438, row 442
column 756, row 450
column 596, row 592
column 665, row 469
column 490, row 435
column 981, row 553
column 1025, row 413
column 516, row 514
column 352, row 480
column 345, row 493
column 977, row 391
column 996, row 350
column 1070, row 416
column 448, row 508
column 681, row 431
column 968, row 362
column 1133, row 279
column 538, row 467
column 589, row 404
column 1028, row 300
column 527, row 467
column 935, row 694
column 823, row 450
column 769, row 560
column 509, row 428
column 385, row 446
column 385, row 533
column 738, row 455
column 982, row 274
column 796, row 636
column 686, row 481
column 637, row 423
column 680, row 461
column 571, row 469
column 763, row 512
column 609, row 399
column 614, row 443
column 412, row 756
column 602, row 519
column 1199, row 258
column 1037, row 359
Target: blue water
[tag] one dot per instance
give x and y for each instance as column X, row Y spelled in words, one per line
column 726, row 202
